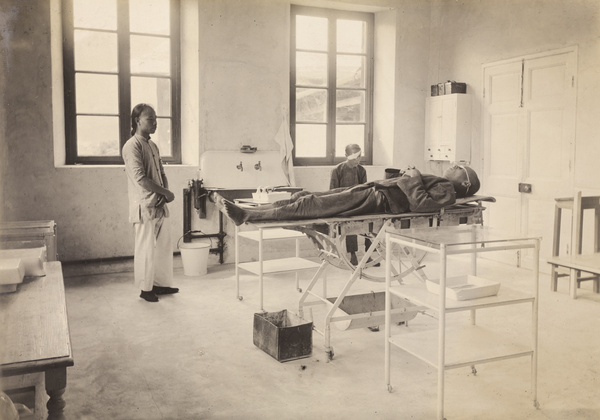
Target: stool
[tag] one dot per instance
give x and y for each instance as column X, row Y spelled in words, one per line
column 576, row 262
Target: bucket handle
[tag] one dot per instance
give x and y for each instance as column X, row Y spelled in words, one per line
column 193, row 231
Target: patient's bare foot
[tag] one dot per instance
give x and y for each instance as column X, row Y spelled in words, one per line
column 235, row 213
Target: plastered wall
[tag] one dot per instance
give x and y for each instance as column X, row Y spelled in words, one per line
column 243, row 48
column 468, row 33
column 88, row 204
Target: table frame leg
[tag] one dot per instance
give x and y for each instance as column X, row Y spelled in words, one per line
column 56, row 384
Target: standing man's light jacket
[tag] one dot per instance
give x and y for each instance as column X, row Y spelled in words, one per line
column 142, row 160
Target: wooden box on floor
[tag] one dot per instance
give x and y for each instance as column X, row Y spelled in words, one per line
column 283, row 335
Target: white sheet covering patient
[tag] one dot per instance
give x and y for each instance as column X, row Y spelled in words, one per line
column 411, row 191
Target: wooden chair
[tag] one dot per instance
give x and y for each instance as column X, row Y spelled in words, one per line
column 581, row 266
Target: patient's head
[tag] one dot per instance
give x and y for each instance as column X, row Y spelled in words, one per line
column 353, row 154
column 464, row 179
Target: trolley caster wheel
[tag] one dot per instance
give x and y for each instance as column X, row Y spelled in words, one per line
column 330, row 354
column 536, row 404
column 240, row 297
column 299, row 290
column 390, row 388
column 473, row 370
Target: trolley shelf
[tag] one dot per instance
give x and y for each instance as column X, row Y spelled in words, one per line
column 280, row 265
column 456, row 345
column 466, row 346
column 260, row 235
column 269, row 234
column 419, row 294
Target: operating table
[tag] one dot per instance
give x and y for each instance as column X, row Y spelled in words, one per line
column 328, row 235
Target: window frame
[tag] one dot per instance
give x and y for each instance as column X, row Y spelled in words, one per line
column 124, row 88
column 332, row 15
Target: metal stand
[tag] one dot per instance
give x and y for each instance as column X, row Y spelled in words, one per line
column 193, row 192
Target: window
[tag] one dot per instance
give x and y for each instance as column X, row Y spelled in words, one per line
column 118, row 53
column 331, row 84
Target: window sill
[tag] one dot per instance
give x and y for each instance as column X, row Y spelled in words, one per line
column 121, row 166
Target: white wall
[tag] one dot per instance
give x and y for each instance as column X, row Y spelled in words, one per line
column 243, row 67
column 469, row 33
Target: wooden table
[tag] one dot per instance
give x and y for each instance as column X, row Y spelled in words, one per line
column 34, row 334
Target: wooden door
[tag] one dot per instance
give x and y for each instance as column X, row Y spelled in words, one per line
column 529, row 130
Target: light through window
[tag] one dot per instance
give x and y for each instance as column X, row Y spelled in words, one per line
column 118, row 53
column 331, row 84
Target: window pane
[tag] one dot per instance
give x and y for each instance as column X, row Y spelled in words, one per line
column 151, row 17
column 98, row 14
column 97, row 93
column 95, row 51
column 346, row 134
column 311, row 69
column 150, row 55
column 97, row 136
column 311, row 105
column 311, row 33
column 153, row 91
column 351, row 36
column 162, row 137
column 350, row 105
column 311, row 140
column 351, row 71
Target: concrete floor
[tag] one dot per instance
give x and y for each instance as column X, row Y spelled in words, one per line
column 191, row 356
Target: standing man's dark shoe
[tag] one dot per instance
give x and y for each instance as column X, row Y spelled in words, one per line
column 164, row 290
column 149, row 296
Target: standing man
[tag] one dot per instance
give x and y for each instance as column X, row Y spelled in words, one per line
column 149, row 192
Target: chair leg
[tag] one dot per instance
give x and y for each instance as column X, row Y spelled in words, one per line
column 553, row 278
column 597, row 284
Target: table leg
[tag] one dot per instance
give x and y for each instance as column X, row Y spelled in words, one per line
column 237, row 263
column 56, row 383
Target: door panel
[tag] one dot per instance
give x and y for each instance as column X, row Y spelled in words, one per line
column 501, row 125
column 549, row 103
column 529, row 127
column 504, row 214
column 539, row 221
column 545, row 134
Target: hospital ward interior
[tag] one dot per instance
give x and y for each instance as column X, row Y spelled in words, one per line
column 173, row 245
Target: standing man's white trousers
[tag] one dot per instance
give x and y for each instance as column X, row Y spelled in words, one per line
column 153, row 258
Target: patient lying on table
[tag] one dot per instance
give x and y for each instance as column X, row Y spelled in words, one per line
column 411, row 191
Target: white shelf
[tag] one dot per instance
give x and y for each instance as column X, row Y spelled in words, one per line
column 419, row 294
column 465, row 346
column 271, row 234
column 453, row 346
column 277, row 265
column 280, row 265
